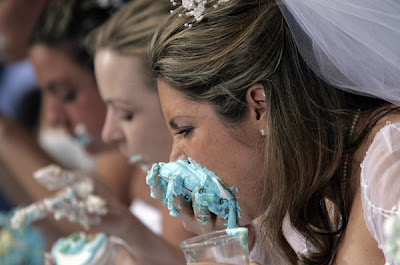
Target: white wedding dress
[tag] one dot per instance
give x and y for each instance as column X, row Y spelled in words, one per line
column 380, row 182
column 380, row 187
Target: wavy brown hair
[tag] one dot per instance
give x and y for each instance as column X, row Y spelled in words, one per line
column 245, row 42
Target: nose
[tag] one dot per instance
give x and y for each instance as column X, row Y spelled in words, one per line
column 111, row 132
column 177, row 154
column 54, row 113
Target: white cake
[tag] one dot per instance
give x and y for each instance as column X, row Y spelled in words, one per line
column 82, row 249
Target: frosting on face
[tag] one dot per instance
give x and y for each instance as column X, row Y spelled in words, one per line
column 135, row 158
column 82, row 137
column 79, row 249
column 190, row 179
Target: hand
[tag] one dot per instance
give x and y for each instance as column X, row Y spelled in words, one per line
column 196, row 218
column 76, row 201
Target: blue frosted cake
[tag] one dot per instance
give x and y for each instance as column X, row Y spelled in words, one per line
column 82, row 249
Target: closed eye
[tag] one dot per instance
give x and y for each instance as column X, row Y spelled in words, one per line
column 126, row 117
column 185, row 131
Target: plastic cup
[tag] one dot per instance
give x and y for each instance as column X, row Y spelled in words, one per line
column 220, row 247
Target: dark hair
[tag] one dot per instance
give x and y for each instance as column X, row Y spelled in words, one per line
column 28, row 109
column 65, row 24
column 243, row 42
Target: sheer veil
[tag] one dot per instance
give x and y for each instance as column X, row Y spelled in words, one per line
column 352, row 44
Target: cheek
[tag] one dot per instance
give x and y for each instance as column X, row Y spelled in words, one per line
column 230, row 161
column 90, row 110
column 135, row 136
column 92, row 119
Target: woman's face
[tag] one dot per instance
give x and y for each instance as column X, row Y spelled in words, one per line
column 232, row 152
column 70, row 95
column 134, row 117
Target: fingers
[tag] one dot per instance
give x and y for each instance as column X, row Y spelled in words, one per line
column 202, row 215
column 158, row 188
column 195, row 217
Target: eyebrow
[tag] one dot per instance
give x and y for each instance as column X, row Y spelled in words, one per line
column 117, row 100
column 57, row 85
column 173, row 124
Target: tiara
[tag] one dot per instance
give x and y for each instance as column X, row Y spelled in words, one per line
column 195, row 8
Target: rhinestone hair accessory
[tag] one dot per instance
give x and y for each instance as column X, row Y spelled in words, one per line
column 195, row 8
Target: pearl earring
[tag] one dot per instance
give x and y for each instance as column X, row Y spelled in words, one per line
column 262, row 132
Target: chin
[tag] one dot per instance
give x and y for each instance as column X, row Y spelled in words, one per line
column 92, row 150
column 245, row 220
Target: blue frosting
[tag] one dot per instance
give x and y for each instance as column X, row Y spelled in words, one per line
column 76, row 243
column 190, row 179
column 83, row 140
column 20, row 246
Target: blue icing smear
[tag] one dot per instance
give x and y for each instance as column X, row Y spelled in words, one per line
column 182, row 176
column 20, row 246
column 83, row 140
column 76, row 243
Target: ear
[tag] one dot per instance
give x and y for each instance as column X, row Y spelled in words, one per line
column 255, row 98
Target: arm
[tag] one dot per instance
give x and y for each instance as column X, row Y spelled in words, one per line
column 142, row 242
column 22, row 155
column 115, row 171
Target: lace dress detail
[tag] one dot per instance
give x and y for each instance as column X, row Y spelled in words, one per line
column 380, row 182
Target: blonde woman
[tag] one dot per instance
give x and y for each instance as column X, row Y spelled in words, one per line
column 239, row 99
column 134, row 119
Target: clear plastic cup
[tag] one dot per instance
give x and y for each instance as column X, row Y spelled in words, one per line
column 225, row 247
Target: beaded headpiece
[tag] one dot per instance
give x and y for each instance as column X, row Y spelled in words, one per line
column 195, row 8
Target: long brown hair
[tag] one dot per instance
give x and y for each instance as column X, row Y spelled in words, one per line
column 244, row 42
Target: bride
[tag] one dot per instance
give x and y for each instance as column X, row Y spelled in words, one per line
column 296, row 104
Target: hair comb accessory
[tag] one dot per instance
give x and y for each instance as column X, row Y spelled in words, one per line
column 195, row 8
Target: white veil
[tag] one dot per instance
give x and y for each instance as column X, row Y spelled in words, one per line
column 352, row 44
